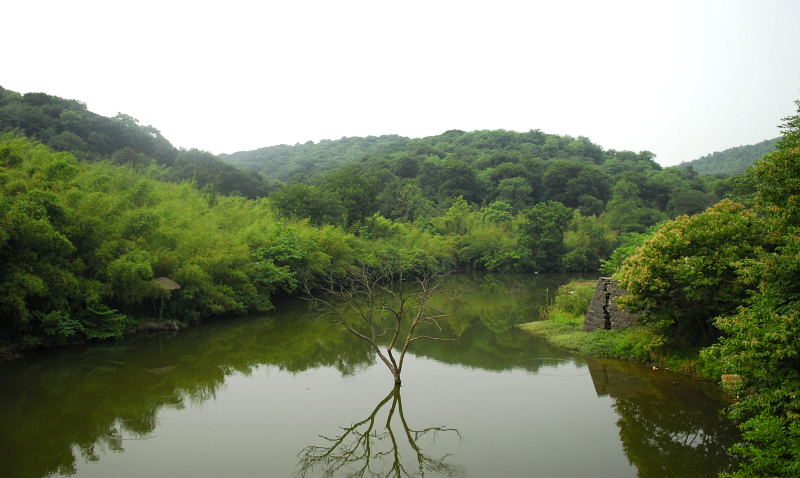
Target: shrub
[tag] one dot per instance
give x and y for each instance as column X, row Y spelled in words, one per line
column 574, row 297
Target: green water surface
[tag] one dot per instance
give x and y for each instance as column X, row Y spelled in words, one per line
column 290, row 394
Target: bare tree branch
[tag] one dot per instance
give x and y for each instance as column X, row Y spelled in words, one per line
column 378, row 295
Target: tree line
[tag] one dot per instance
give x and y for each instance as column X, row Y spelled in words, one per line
column 511, row 201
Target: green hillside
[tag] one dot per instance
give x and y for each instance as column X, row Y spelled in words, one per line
column 283, row 162
column 731, row 161
column 480, row 149
column 404, row 179
column 67, row 125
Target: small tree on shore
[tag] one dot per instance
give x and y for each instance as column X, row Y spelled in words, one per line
column 385, row 308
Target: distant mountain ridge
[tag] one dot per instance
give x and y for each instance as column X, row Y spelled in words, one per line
column 480, row 148
column 731, row 161
column 401, row 178
column 283, row 161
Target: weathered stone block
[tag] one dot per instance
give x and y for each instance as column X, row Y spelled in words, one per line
column 604, row 313
column 595, row 318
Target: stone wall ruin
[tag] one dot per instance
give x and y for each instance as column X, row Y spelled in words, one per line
column 604, row 313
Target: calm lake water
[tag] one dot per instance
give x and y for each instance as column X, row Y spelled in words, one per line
column 288, row 394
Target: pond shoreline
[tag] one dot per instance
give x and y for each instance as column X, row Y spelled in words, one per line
column 562, row 325
column 552, row 335
column 16, row 351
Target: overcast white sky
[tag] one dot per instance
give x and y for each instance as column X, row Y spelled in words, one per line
column 678, row 78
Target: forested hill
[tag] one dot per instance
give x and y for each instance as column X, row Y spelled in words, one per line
column 283, row 162
column 480, row 149
column 731, row 161
column 67, row 125
column 404, row 179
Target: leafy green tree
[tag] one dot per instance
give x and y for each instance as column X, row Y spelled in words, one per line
column 761, row 345
column 507, row 169
column 516, row 191
column 457, row 218
column 131, row 278
column 34, row 258
column 589, row 205
column 658, row 187
column 626, row 211
column 406, row 166
column 587, row 241
column 566, row 181
column 458, row 179
column 688, row 202
column 430, row 176
column 542, row 232
column 357, row 190
column 619, row 162
column 408, row 203
column 305, row 201
column 688, row 273
column 499, row 212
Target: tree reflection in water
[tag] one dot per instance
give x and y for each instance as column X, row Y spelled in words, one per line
column 366, row 449
column 669, row 424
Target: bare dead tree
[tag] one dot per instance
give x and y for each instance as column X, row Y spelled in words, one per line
column 381, row 306
column 363, row 449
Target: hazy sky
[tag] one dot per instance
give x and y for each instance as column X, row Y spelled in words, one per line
column 678, row 78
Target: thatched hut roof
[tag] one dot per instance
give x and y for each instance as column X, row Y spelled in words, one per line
column 167, row 283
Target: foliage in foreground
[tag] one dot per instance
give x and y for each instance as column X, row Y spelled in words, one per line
column 734, row 271
column 81, row 245
column 687, row 273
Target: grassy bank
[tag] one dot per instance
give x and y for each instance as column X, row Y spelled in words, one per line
column 561, row 324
